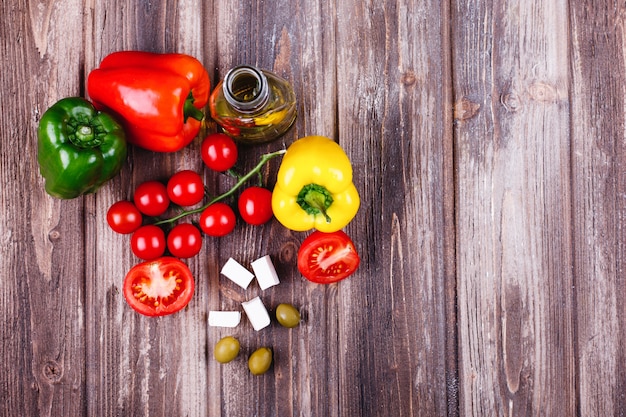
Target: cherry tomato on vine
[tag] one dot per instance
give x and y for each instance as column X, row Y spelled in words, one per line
column 151, row 198
column 158, row 287
column 255, row 205
column 148, row 242
column 185, row 188
column 184, row 240
column 123, row 217
column 325, row 258
column 218, row 220
column 219, row 152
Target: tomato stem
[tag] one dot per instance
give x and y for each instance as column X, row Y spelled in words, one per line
column 233, row 174
column 241, row 180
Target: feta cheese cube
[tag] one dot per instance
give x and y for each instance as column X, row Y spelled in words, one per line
column 224, row 318
column 257, row 314
column 265, row 272
column 234, row 271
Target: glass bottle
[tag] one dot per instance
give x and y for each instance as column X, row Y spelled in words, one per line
column 253, row 105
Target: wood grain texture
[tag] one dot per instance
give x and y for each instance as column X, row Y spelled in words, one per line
column 487, row 140
column 392, row 120
column 598, row 182
column 138, row 365
column 514, row 244
column 296, row 40
column 43, row 328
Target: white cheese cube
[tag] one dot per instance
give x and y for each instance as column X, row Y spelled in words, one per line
column 234, row 271
column 257, row 314
column 224, row 318
column 265, row 272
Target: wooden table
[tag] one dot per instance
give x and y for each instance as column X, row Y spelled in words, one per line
column 488, row 146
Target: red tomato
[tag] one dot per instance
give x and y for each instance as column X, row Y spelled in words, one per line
column 255, row 205
column 124, row 217
column 184, row 240
column 219, row 152
column 185, row 188
column 218, row 220
column 325, row 258
column 158, row 287
column 151, row 198
column 148, row 242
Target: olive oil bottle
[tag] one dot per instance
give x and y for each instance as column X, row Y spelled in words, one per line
column 253, row 105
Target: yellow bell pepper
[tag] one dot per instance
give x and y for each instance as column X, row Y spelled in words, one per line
column 314, row 187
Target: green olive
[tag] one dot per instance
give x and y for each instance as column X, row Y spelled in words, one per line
column 226, row 349
column 287, row 315
column 260, row 361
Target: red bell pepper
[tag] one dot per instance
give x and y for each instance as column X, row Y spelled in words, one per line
column 158, row 98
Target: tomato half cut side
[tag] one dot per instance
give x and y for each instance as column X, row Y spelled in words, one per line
column 325, row 258
column 159, row 287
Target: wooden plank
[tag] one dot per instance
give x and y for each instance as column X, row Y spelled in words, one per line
column 538, row 93
column 598, row 166
column 43, row 326
column 296, row 40
column 138, row 365
column 514, row 252
column 394, row 121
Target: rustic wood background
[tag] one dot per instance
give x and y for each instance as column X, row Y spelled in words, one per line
column 488, row 142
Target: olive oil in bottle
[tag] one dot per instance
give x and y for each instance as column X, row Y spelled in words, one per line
column 253, row 105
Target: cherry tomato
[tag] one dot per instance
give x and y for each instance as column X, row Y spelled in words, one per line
column 218, row 220
column 255, row 205
column 124, row 217
column 219, row 152
column 325, row 258
column 148, row 242
column 184, row 240
column 151, row 198
column 185, row 188
column 158, row 287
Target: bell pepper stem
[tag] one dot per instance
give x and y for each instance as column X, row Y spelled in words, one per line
column 84, row 134
column 241, row 180
column 189, row 110
column 315, row 199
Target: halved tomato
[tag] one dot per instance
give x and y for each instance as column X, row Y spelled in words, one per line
column 325, row 258
column 159, row 287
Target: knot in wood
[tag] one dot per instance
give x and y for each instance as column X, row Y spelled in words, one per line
column 542, row 92
column 465, row 109
column 511, row 102
column 54, row 235
column 288, row 253
column 408, row 78
column 52, row 371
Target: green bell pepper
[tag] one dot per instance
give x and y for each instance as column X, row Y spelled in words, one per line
column 79, row 148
